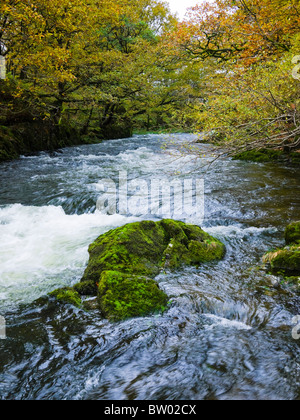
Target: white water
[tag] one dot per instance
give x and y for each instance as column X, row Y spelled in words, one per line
column 42, row 248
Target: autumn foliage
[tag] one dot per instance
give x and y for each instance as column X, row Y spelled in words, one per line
column 247, row 51
column 92, row 64
column 102, row 66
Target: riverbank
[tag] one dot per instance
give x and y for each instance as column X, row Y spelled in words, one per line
column 267, row 155
column 28, row 138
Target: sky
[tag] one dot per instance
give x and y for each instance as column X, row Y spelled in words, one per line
column 180, row 6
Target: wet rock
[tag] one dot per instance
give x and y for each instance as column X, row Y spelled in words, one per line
column 124, row 296
column 67, row 295
column 292, row 233
column 135, row 249
column 145, row 248
column 123, row 263
column 286, row 261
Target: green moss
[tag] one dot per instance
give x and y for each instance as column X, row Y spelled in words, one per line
column 205, row 252
column 190, row 245
column 284, row 261
column 174, row 229
column 124, row 261
column 263, row 155
column 292, row 233
column 144, row 248
column 287, row 261
column 67, row 295
column 267, row 155
column 123, row 296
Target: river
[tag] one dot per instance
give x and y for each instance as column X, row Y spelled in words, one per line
column 228, row 331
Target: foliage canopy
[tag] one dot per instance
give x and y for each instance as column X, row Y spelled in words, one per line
column 231, row 68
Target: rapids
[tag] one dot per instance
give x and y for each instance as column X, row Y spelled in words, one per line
column 228, row 331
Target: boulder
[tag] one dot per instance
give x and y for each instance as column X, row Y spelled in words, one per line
column 123, row 263
column 123, row 296
column 292, row 233
column 67, row 295
column 145, row 248
column 286, row 261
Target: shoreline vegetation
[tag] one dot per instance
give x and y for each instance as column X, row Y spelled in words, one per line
column 75, row 73
column 15, row 142
column 272, row 156
column 285, row 262
column 29, row 139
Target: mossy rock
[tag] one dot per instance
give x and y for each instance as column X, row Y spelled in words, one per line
column 124, row 261
column 67, row 295
column 260, row 156
column 134, row 248
column 292, row 233
column 145, row 248
column 188, row 251
column 123, row 296
column 284, row 261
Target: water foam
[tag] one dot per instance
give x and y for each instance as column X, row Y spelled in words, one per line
column 226, row 323
column 42, row 248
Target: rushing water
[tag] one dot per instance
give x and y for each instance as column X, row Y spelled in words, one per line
column 228, row 331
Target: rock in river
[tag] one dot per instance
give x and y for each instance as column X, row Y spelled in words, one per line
column 123, row 263
column 286, row 261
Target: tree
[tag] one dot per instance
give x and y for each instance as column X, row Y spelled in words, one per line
column 86, row 64
column 250, row 97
